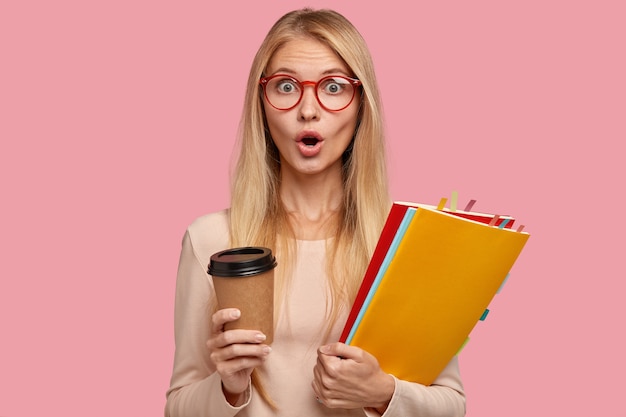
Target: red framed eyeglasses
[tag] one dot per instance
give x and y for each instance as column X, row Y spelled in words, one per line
column 334, row 92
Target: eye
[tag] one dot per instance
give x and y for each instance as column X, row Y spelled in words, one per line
column 334, row 86
column 286, row 85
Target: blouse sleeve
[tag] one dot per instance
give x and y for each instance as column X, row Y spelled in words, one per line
column 195, row 388
column 444, row 398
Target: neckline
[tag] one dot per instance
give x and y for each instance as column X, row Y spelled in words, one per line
column 313, row 240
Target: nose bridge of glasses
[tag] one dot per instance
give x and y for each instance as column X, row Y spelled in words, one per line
column 312, row 84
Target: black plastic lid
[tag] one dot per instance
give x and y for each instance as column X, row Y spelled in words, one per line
column 241, row 262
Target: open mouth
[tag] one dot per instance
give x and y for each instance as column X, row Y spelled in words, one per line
column 310, row 141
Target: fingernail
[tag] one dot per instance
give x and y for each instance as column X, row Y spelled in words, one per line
column 235, row 314
column 260, row 337
column 267, row 349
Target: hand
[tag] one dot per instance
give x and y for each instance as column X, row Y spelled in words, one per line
column 349, row 377
column 234, row 353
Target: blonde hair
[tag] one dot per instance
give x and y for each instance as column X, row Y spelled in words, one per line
column 257, row 216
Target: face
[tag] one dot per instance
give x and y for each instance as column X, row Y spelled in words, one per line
column 309, row 138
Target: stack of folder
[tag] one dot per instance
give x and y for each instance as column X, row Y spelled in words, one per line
column 432, row 275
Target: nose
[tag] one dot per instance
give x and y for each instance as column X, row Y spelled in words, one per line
column 309, row 107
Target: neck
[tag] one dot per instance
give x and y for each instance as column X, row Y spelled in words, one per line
column 313, row 204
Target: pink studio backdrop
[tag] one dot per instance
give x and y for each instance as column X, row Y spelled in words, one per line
column 117, row 120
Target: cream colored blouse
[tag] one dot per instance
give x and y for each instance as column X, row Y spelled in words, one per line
column 195, row 389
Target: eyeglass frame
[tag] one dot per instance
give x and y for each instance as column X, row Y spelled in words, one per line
column 353, row 81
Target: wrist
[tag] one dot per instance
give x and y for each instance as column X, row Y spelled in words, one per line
column 388, row 387
column 233, row 398
column 381, row 409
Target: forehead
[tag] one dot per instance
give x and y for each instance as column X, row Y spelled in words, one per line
column 307, row 58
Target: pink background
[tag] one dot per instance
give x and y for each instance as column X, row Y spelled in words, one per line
column 117, row 120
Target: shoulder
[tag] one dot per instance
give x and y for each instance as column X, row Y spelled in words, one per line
column 209, row 233
column 212, row 223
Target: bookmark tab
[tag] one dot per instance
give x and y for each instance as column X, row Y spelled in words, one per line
column 484, row 316
column 494, row 220
column 520, row 228
column 442, row 203
column 469, row 205
column 504, row 222
column 453, row 200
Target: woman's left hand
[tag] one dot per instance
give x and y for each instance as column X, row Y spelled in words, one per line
column 349, row 377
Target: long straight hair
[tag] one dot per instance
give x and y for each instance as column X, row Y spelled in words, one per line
column 257, row 215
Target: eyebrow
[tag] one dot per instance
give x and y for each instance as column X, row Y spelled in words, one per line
column 284, row 70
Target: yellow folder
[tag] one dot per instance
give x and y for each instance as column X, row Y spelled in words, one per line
column 434, row 288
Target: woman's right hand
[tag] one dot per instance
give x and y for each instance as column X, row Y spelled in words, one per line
column 235, row 353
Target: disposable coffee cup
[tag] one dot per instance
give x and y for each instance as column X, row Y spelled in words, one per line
column 243, row 278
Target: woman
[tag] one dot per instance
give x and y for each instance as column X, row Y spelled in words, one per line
column 310, row 183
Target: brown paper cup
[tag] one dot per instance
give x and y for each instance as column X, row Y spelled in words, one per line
column 243, row 278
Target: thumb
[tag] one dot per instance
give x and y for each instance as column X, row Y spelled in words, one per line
column 339, row 349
